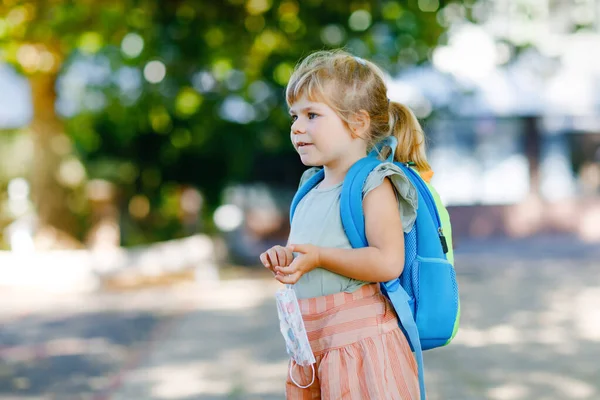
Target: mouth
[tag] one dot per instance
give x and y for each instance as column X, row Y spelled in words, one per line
column 303, row 144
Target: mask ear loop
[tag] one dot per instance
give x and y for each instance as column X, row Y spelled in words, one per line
column 296, row 383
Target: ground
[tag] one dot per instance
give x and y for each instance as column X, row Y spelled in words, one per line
column 530, row 329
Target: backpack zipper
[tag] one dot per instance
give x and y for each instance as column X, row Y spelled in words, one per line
column 443, row 240
column 430, row 205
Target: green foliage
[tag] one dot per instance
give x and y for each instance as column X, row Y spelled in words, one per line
column 219, row 111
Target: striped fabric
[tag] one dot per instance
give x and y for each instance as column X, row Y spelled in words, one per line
column 361, row 352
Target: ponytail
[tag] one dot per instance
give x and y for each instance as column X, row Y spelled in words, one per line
column 411, row 139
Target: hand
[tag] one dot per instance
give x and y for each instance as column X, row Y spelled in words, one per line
column 276, row 256
column 307, row 261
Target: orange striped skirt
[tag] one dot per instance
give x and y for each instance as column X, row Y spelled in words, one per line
column 360, row 352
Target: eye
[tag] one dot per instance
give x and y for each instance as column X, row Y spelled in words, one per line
column 312, row 115
column 293, row 119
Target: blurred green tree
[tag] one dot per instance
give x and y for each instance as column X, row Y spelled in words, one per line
column 184, row 91
column 37, row 37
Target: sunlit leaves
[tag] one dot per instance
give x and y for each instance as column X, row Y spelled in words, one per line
column 221, row 69
column 139, row 18
column 391, row 10
column 160, row 119
column 429, row 5
column 194, row 83
column 268, row 41
column 290, row 24
column 255, row 7
column 288, row 9
column 288, row 17
column 32, row 58
column 151, row 177
column 282, row 73
column 254, row 23
column 185, row 12
column 181, row 138
column 90, row 42
column 139, row 206
column 17, row 19
column 214, row 37
column 3, row 28
column 187, row 102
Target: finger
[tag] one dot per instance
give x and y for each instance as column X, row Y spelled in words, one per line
column 288, row 279
column 272, row 254
column 264, row 260
column 281, row 256
column 289, row 255
column 286, row 270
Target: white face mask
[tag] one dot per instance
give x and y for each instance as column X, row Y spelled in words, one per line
column 294, row 332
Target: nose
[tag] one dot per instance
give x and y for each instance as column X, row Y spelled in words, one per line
column 298, row 127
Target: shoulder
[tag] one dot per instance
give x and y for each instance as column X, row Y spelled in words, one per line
column 309, row 173
column 380, row 194
column 398, row 183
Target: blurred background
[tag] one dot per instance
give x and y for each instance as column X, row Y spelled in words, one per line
column 145, row 164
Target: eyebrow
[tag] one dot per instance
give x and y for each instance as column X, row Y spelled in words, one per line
column 292, row 111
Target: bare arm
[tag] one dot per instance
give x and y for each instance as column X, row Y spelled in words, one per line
column 383, row 260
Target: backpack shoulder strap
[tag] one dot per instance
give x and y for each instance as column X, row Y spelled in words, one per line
column 304, row 189
column 351, row 201
column 400, row 301
column 353, row 221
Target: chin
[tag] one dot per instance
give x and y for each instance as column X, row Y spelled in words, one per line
column 309, row 162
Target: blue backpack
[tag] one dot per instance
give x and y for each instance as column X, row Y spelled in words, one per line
column 425, row 295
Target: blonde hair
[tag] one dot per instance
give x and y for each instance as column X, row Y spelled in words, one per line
column 349, row 84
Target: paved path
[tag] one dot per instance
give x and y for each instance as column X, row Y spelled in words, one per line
column 530, row 329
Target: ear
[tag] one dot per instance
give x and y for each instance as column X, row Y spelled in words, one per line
column 360, row 124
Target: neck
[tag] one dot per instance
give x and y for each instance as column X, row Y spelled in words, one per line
column 336, row 171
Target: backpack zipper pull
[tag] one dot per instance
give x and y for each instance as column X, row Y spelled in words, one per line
column 443, row 240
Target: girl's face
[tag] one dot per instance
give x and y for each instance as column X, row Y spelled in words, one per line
column 320, row 136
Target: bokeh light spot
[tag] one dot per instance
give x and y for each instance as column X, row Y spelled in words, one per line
column 181, row 138
column 391, row 10
column 155, row 71
column 71, row 172
column 255, row 7
column 228, row 217
column 360, row 20
column 429, row 5
column 255, row 23
column 214, row 37
column 139, row 206
column 132, row 45
column 221, row 69
column 188, row 101
column 160, row 120
column 90, row 42
column 282, row 73
column 333, row 35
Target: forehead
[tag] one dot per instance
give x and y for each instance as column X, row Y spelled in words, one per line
column 304, row 103
column 310, row 89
